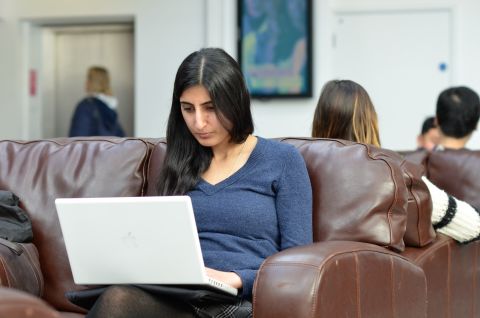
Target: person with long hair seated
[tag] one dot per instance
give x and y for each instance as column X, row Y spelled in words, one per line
column 251, row 196
column 345, row 111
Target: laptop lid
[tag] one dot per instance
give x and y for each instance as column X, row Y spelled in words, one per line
column 125, row 240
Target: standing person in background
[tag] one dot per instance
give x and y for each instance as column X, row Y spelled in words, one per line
column 345, row 111
column 429, row 136
column 457, row 114
column 251, row 196
column 96, row 114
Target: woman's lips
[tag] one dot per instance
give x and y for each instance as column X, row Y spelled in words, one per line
column 203, row 135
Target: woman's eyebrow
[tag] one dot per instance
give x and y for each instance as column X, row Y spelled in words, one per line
column 204, row 103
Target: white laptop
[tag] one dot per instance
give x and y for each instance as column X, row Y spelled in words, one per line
column 134, row 240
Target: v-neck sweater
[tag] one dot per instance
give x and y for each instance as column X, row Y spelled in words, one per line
column 263, row 208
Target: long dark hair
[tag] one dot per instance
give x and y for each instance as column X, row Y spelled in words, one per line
column 345, row 111
column 186, row 159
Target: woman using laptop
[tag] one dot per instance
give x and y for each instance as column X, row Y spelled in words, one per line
column 251, row 196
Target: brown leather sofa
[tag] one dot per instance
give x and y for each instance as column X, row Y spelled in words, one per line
column 458, row 173
column 375, row 252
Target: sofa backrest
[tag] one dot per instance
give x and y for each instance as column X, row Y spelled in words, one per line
column 419, row 156
column 154, row 166
column 457, row 172
column 359, row 192
column 355, row 176
column 450, row 268
column 419, row 230
column 41, row 171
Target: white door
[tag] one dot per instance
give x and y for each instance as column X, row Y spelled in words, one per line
column 78, row 48
column 402, row 58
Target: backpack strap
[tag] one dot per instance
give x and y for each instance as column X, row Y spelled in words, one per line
column 14, row 247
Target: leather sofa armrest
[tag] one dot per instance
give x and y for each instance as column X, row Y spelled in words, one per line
column 339, row 278
column 20, row 267
column 18, row 304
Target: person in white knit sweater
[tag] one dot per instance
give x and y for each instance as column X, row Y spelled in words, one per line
column 453, row 217
column 345, row 111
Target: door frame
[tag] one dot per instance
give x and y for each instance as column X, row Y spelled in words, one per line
column 32, row 61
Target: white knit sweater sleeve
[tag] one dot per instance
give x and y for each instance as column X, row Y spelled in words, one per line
column 453, row 217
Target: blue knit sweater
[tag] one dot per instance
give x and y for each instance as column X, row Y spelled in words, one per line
column 263, row 208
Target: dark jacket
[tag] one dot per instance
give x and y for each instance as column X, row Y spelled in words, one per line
column 92, row 117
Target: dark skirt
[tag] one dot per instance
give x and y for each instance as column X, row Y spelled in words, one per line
column 241, row 309
column 204, row 302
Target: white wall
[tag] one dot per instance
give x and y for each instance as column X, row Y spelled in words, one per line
column 469, row 52
column 467, row 30
column 293, row 117
column 166, row 31
column 11, row 119
column 466, row 46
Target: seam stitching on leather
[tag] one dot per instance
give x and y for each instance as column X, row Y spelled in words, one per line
column 357, row 287
column 449, row 270
column 9, row 283
column 145, row 164
column 474, row 281
column 34, row 269
column 417, row 203
column 393, row 288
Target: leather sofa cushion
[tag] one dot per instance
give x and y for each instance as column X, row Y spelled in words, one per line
column 419, row 157
column 359, row 193
column 17, row 304
column 419, row 231
column 21, row 271
column 451, row 270
column 154, row 166
column 457, row 172
column 38, row 172
column 339, row 279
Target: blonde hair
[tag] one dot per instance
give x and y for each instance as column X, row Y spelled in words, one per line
column 98, row 80
column 345, row 111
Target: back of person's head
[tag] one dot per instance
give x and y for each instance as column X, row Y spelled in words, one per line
column 98, row 80
column 345, row 111
column 428, row 124
column 428, row 137
column 222, row 77
column 458, row 111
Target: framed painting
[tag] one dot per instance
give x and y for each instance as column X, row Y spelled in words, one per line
column 275, row 47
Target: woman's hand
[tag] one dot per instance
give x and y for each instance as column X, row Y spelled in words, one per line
column 229, row 278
